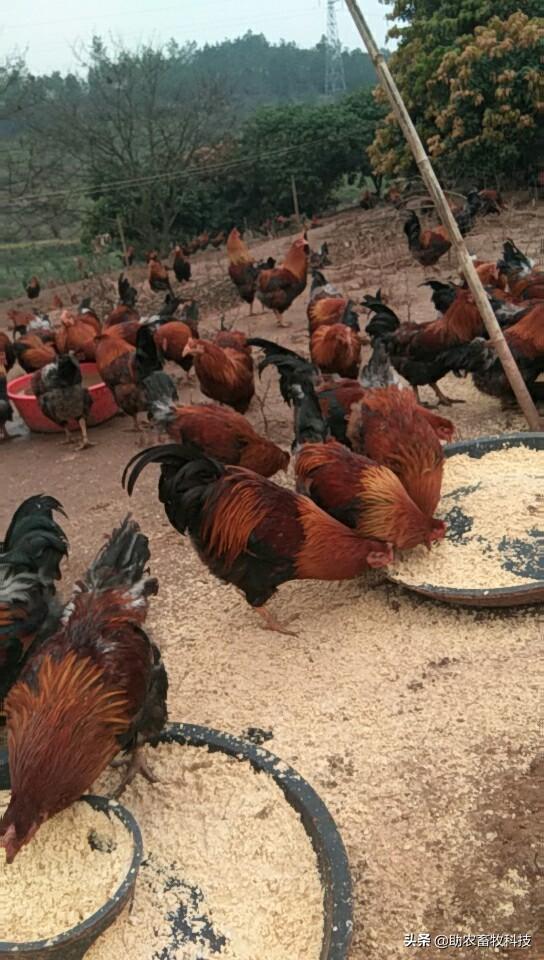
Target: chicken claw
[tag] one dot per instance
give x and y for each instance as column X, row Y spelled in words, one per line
column 270, row 622
column 135, row 764
column 442, row 398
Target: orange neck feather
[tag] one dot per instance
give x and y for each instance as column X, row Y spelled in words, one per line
column 296, row 261
column 388, row 512
column 237, row 250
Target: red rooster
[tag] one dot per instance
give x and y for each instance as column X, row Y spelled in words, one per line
column 223, row 434
column 426, row 246
column 524, row 282
column 33, row 351
column 243, row 271
column 33, row 288
column 225, row 374
column 386, row 426
column 277, row 288
column 181, row 266
column 249, row 531
column 365, row 496
column 336, row 349
column 157, row 274
column 96, row 686
column 77, row 334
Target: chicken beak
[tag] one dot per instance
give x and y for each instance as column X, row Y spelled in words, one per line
column 187, row 350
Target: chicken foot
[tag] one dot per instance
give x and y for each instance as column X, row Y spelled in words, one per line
column 280, row 321
column 68, row 438
column 270, row 622
column 85, row 442
column 442, row 398
column 135, row 765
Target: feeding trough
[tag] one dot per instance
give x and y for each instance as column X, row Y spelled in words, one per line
column 26, row 404
column 73, row 943
column 494, row 512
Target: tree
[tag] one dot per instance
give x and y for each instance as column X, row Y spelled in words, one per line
column 449, row 83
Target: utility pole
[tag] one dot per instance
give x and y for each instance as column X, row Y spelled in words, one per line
column 335, row 81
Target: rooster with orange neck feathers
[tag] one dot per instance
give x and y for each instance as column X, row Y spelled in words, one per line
column 277, row 288
column 250, row 532
column 243, row 271
column 95, row 687
column 365, row 495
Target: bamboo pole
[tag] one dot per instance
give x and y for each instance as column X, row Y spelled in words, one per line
column 430, row 179
column 122, row 236
column 295, row 197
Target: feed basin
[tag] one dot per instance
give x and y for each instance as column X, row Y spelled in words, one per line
column 74, row 943
column 104, row 406
column 522, row 555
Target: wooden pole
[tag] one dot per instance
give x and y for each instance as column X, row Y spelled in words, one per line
column 122, row 235
column 430, row 179
column 295, row 197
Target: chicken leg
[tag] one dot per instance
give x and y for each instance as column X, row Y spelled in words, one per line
column 135, row 765
column 85, row 442
column 280, row 321
column 270, row 622
column 442, row 398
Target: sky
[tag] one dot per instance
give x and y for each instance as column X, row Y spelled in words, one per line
column 50, row 34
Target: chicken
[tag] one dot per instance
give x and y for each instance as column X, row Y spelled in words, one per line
column 327, row 306
column 125, row 311
column 336, row 397
column 6, row 348
column 249, row 531
column 426, row 246
column 319, row 258
column 388, row 426
column 77, row 334
column 234, row 339
column 225, row 374
column 172, row 338
column 33, row 352
column 491, row 201
column 30, row 557
column 130, row 372
column 524, row 282
column 20, row 320
column 62, row 397
column 33, row 288
column 465, row 214
column 157, row 274
column 243, row 271
column 6, row 413
column 221, row 433
column 419, row 351
column 355, row 490
column 277, row 288
column 218, row 240
column 181, row 266
column 368, row 200
column 128, row 257
column 96, row 686
column 526, row 341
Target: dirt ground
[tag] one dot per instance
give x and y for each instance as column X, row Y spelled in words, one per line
column 417, row 723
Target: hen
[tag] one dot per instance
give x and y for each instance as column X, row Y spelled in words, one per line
column 365, row 496
column 77, row 334
column 157, row 274
column 30, row 559
column 33, row 288
column 426, row 246
column 96, row 686
column 62, row 397
column 250, row 532
column 221, row 433
column 225, row 373
column 277, row 288
column 327, row 306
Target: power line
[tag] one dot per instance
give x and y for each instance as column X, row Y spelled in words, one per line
column 165, row 176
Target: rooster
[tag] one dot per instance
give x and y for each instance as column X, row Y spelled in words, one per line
column 491, row 201
column 6, row 413
column 62, row 397
column 125, row 311
column 221, row 433
column 181, row 266
column 157, row 274
column 336, row 348
column 243, row 271
column 277, row 288
column 426, row 246
column 96, row 686
column 225, row 373
column 362, row 494
column 419, row 351
column 33, row 288
column 30, row 557
column 524, row 282
column 327, row 306
column 387, row 426
column 249, row 531
column 33, row 351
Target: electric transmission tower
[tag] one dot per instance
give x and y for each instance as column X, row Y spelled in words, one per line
column 335, row 82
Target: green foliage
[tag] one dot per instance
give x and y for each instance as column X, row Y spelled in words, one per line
column 450, row 83
column 56, row 263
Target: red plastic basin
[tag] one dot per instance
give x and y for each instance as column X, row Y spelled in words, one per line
column 104, row 406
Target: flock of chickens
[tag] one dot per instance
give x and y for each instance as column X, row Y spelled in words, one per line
column 83, row 682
